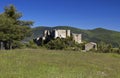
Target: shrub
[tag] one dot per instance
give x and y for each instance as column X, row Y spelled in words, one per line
column 105, row 48
column 116, row 50
column 56, row 44
column 31, row 44
column 66, row 44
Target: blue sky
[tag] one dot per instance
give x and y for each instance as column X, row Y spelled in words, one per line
column 84, row 14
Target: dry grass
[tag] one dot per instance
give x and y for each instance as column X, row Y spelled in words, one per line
column 41, row 63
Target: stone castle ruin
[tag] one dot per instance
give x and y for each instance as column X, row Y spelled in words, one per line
column 57, row 33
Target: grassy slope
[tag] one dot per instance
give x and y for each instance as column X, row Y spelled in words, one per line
column 58, row 64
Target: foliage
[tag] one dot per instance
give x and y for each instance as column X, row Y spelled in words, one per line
column 18, row 45
column 11, row 27
column 66, row 44
column 107, row 48
column 116, row 50
column 31, row 44
column 56, row 44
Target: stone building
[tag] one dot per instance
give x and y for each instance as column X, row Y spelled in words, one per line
column 61, row 33
column 90, row 45
column 77, row 37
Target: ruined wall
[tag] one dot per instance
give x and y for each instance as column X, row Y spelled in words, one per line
column 68, row 33
column 46, row 33
column 62, row 33
column 77, row 37
column 57, row 33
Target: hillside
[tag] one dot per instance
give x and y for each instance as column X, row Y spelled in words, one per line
column 95, row 35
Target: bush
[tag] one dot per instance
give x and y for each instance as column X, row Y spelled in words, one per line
column 31, row 44
column 116, row 50
column 56, row 44
column 66, row 44
column 104, row 48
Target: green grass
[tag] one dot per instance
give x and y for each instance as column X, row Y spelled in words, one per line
column 41, row 63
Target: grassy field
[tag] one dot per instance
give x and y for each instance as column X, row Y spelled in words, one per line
column 41, row 63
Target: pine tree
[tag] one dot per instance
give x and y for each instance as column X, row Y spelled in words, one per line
column 11, row 27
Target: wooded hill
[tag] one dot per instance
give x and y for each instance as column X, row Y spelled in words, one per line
column 95, row 35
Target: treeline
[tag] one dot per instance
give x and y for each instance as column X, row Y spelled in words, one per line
column 107, row 48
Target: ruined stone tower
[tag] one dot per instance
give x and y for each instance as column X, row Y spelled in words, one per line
column 77, row 37
column 61, row 33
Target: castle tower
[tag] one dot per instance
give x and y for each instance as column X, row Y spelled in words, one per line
column 68, row 33
column 77, row 38
column 46, row 33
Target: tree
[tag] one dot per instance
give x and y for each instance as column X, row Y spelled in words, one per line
column 12, row 28
column 105, row 48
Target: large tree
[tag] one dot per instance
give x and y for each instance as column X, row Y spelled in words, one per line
column 11, row 27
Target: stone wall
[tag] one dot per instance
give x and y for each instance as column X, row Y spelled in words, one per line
column 68, row 33
column 77, row 37
column 62, row 33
